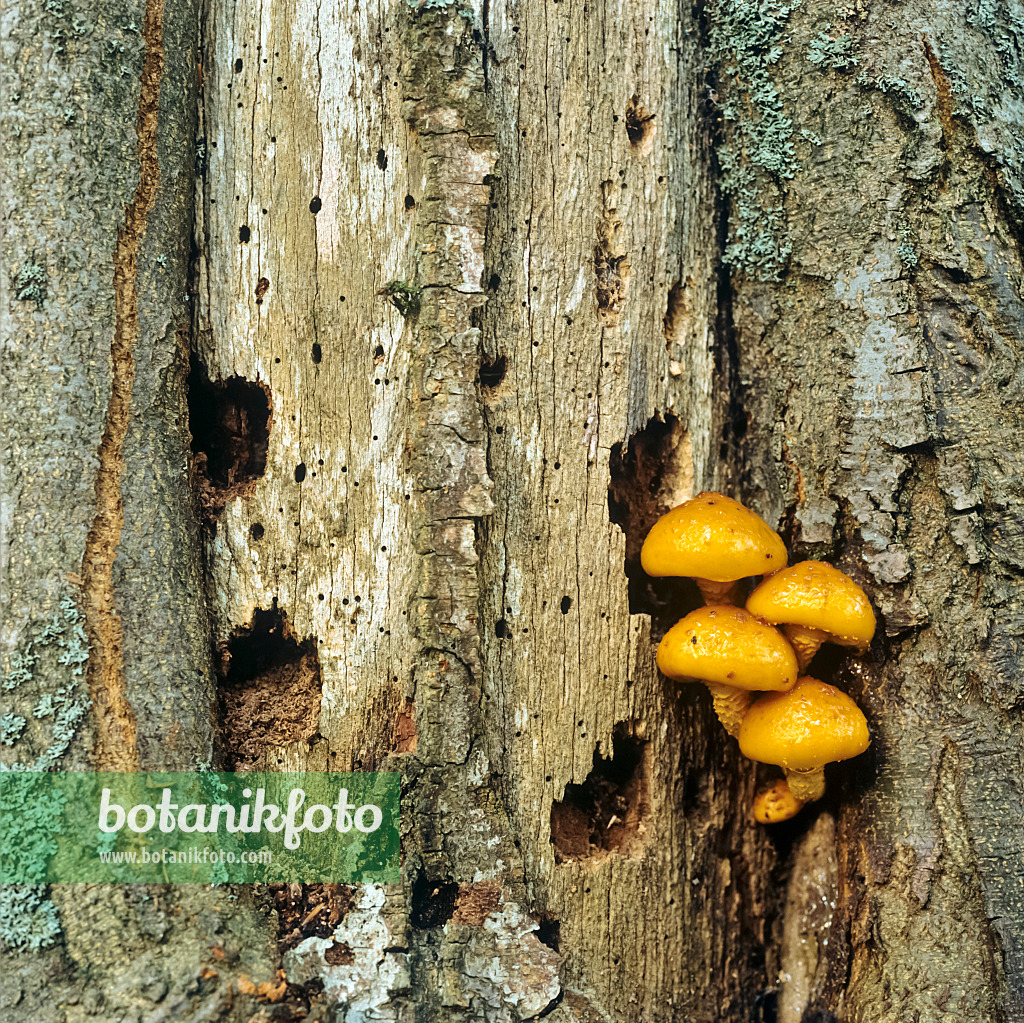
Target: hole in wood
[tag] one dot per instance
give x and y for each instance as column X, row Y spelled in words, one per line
column 492, row 372
column 639, row 126
column 269, row 689
column 308, row 911
column 678, row 312
column 433, row 902
column 230, row 425
column 549, row 932
column 653, row 474
column 607, row 813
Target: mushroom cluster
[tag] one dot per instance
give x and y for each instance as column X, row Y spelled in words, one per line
column 752, row 659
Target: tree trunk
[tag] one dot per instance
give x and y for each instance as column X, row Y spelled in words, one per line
column 476, row 294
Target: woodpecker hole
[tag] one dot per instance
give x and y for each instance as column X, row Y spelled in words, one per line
column 268, row 692
column 607, row 813
column 650, row 475
column 230, row 425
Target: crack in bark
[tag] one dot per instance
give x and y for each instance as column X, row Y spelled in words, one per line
column 116, row 728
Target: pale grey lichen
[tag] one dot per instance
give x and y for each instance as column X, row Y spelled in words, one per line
column 11, row 727
column 832, row 54
column 30, row 284
column 755, row 153
column 28, row 920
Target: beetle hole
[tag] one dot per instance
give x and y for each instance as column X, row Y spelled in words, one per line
column 315, row 205
column 268, row 689
column 382, row 159
column 604, row 815
column 238, row 65
column 229, row 421
column 256, row 530
column 566, row 604
column 410, row 202
column 653, row 474
column 244, row 233
column 317, row 352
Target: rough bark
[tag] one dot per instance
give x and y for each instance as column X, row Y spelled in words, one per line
column 460, row 333
column 876, row 392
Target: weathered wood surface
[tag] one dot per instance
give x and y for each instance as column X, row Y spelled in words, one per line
column 449, row 505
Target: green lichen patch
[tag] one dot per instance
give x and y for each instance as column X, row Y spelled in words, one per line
column 755, row 152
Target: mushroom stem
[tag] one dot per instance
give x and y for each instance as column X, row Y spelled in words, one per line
column 717, row 593
column 806, row 785
column 776, row 803
column 805, row 642
column 731, row 704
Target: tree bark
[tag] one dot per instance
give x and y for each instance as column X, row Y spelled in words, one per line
column 358, row 481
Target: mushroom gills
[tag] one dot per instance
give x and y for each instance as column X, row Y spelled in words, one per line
column 806, row 785
column 731, row 705
column 805, row 641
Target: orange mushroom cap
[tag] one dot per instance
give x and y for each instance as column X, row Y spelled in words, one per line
column 817, row 596
column 730, row 646
column 811, row 725
column 712, row 537
column 776, row 804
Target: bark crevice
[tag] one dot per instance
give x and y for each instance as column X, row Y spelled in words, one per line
column 116, row 727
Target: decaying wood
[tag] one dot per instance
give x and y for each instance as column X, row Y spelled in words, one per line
column 459, row 333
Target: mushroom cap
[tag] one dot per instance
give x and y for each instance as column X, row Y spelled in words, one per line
column 817, row 596
column 776, row 804
column 730, row 646
column 711, row 536
column 811, row 725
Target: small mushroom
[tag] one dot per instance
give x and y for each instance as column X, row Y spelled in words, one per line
column 732, row 653
column 776, row 803
column 815, row 603
column 802, row 730
column 715, row 541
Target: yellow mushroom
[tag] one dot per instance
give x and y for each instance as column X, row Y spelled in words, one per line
column 732, row 653
column 815, row 603
column 776, row 803
column 715, row 541
column 801, row 731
